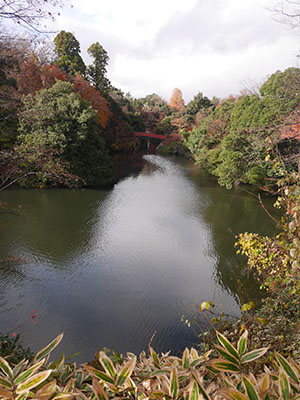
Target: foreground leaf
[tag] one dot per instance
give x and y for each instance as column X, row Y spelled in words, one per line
column 46, row 350
column 253, row 355
column 33, row 381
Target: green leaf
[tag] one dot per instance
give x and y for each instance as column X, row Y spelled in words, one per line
column 242, row 343
column 220, row 365
column 46, row 350
column 98, row 374
column 226, row 355
column 158, row 372
column 227, row 345
column 174, row 383
column 126, row 371
column 33, row 381
column 194, row 393
column 99, row 390
column 5, row 383
column 155, row 357
column 186, row 358
column 200, row 387
column 107, row 364
column 26, row 374
column 250, row 389
column 253, row 355
column 6, row 368
column 284, row 385
column 232, row 394
column 46, row 391
column 287, row 367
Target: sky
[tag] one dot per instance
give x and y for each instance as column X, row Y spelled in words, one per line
column 217, row 47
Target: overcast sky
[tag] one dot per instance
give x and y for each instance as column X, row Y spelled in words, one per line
column 212, row 46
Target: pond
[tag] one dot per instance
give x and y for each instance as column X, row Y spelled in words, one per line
column 111, row 267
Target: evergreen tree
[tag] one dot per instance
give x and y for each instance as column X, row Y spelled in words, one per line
column 97, row 70
column 67, row 49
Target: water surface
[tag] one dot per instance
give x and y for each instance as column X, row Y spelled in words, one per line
column 108, row 268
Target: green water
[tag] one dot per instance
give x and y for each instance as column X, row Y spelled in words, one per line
column 108, row 268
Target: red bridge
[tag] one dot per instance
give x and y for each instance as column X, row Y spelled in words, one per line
column 148, row 136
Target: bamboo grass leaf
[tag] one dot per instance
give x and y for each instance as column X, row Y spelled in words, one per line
column 232, row 394
column 46, row 391
column 107, row 364
column 5, row 384
column 26, row 374
column 99, row 374
column 242, row 343
column 99, row 390
column 220, row 365
column 226, row 355
column 6, row 368
column 201, row 389
column 186, row 358
column 284, row 385
column 126, row 371
column 174, row 383
column 250, row 389
column 227, row 345
column 253, row 355
column 287, row 367
column 46, row 350
column 33, row 381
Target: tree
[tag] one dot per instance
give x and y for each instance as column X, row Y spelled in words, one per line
column 94, row 97
column 58, row 118
column 199, row 102
column 27, row 13
column 67, row 49
column 176, row 102
column 287, row 12
column 97, row 70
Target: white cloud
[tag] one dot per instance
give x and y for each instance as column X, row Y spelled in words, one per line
column 196, row 45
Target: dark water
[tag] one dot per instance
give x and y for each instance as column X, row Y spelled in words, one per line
column 108, row 268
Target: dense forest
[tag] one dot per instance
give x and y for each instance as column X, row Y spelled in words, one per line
column 62, row 122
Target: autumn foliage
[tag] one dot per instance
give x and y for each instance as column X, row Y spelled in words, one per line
column 176, row 101
column 93, row 96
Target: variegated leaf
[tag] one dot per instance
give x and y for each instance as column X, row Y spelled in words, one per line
column 220, row 365
column 174, row 388
column 33, row 381
column 226, row 355
column 250, row 389
column 26, row 374
column 253, row 355
column 99, row 390
column 99, row 374
column 6, row 368
column 284, row 385
column 107, row 364
column 46, row 391
column 46, row 350
column 292, row 373
column 242, row 343
column 5, row 384
column 232, row 394
column 125, row 371
column 227, row 345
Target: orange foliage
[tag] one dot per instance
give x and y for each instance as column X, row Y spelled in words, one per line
column 29, row 77
column 93, row 96
column 50, row 74
column 291, row 126
column 176, row 101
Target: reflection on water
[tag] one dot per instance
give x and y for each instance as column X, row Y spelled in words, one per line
column 110, row 267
